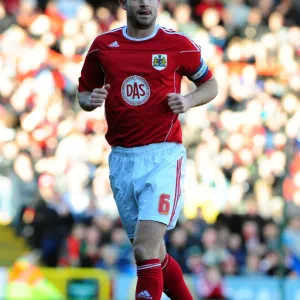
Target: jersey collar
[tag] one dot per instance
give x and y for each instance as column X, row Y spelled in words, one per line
column 142, row 39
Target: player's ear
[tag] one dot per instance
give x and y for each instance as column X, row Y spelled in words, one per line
column 123, row 3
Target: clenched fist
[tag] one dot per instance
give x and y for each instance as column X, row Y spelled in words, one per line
column 98, row 96
column 178, row 103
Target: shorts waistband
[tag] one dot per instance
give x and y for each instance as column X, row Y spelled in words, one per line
column 141, row 150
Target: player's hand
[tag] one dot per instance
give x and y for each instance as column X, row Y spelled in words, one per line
column 178, row 103
column 98, row 96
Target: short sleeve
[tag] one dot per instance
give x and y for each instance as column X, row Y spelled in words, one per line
column 92, row 75
column 192, row 64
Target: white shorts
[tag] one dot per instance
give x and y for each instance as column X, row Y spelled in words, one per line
column 146, row 182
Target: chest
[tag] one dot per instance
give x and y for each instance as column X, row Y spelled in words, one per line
column 151, row 63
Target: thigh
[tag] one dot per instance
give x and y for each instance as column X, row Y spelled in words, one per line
column 149, row 234
column 160, row 197
column 121, row 184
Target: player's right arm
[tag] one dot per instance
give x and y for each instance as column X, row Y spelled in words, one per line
column 92, row 90
column 88, row 101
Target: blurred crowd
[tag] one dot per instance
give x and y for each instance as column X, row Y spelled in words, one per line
column 243, row 148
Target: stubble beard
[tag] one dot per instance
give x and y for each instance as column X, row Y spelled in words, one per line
column 142, row 24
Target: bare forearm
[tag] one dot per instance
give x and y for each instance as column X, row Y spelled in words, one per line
column 203, row 94
column 89, row 101
column 84, row 100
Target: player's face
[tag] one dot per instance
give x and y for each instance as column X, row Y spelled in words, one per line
column 142, row 13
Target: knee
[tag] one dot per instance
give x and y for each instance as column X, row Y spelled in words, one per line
column 162, row 252
column 140, row 252
column 144, row 251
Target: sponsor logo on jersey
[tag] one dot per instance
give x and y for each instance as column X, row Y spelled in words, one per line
column 135, row 90
column 159, row 61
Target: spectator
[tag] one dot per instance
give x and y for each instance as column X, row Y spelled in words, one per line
column 52, row 222
column 236, row 15
column 252, row 265
column 251, row 237
column 109, row 259
column 211, row 286
column 124, row 260
column 24, row 186
column 200, row 223
column 194, row 260
column 291, row 238
column 204, row 5
column 72, row 249
column 90, row 251
column 236, row 250
column 230, row 219
column 176, row 246
column 253, row 216
column 271, row 266
column 213, row 254
column 271, row 236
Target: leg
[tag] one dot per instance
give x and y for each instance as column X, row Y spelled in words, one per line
column 158, row 194
column 172, row 273
column 146, row 248
column 147, row 241
column 162, row 250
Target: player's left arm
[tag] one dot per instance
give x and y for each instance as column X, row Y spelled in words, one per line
column 194, row 67
column 204, row 93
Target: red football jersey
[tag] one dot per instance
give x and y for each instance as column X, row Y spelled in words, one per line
column 141, row 72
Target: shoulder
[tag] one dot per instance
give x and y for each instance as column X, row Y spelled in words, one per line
column 182, row 41
column 105, row 39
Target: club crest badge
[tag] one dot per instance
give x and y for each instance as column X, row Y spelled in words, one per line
column 159, row 61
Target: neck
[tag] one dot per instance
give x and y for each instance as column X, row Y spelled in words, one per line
column 140, row 33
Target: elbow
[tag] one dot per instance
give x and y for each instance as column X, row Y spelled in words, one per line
column 78, row 98
column 215, row 90
column 216, row 93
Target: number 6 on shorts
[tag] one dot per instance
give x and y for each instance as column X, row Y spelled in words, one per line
column 164, row 204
